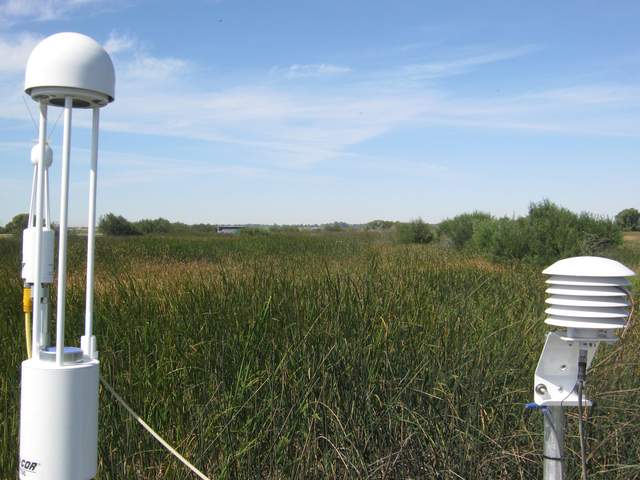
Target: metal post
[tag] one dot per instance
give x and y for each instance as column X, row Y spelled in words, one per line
column 554, row 443
column 91, row 235
column 37, row 286
column 62, row 252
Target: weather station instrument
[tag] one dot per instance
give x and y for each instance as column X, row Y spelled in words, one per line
column 588, row 302
column 59, row 392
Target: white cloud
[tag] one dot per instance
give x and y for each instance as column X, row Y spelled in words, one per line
column 15, row 51
column 118, row 43
column 40, row 10
column 155, row 69
column 458, row 66
column 134, row 64
column 298, row 128
column 591, row 95
column 312, row 70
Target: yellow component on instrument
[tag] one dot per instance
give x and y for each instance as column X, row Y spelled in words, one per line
column 27, row 308
column 27, row 302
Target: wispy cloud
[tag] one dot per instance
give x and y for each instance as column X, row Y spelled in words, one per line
column 296, row 129
column 311, row 70
column 14, row 51
column 148, row 68
column 40, row 10
column 136, row 65
column 118, row 43
column 457, row 66
column 591, row 95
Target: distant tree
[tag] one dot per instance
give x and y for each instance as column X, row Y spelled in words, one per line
column 416, row 231
column 111, row 224
column 629, row 219
column 158, row 225
column 335, row 226
column 379, row 225
column 17, row 223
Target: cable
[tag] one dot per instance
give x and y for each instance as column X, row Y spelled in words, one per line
column 151, row 431
column 583, row 440
column 53, row 129
column 30, row 114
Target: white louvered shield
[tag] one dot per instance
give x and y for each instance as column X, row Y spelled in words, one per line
column 588, row 293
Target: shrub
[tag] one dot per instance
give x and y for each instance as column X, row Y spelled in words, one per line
column 379, row 225
column 17, row 224
column 459, row 230
column 335, row 227
column 111, row 224
column 416, row 231
column 558, row 233
column 159, row 225
column 503, row 238
column 628, row 219
column 547, row 234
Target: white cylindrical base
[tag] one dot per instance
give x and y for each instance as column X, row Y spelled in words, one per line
column 59, row 420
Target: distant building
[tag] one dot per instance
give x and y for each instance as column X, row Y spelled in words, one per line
column 228, row 229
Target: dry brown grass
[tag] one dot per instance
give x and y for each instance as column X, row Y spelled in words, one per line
column 632, row 237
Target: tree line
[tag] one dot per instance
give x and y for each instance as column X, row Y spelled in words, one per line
column 547, row 232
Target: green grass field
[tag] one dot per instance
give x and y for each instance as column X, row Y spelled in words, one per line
column 321, row 356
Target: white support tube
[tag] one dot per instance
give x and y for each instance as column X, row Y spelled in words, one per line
column 47, row 209
column 554, row 443
column 62, row 251
column 32, row 200
column 91, row 234
column 37, row 286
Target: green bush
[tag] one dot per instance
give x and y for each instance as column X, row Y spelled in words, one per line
column 503, row 238
column 546, row 234
column 379, row 225
column 335, row 227
column 111, row 224
column 159, row 225
column 629, row 219
column 459, row 230
column 416, row 231
column 558, row 233
column 17, row 224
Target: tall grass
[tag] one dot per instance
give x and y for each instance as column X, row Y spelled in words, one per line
column 319, row 356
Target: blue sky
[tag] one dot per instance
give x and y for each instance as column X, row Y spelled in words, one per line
column 309, row 112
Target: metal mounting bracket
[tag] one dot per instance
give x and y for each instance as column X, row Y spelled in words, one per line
column 557, row 371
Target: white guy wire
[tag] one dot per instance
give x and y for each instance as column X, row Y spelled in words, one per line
column 152, row 432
